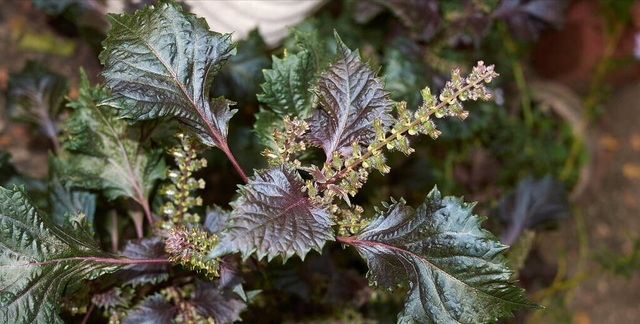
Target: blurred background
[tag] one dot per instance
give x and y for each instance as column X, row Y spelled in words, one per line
column 553, row 161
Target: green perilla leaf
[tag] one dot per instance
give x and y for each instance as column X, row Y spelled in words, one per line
column 161, row 62
column 40, row 261
column 107, row 153
column 454, row 269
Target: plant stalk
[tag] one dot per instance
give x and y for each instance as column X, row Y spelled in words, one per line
column 137, row 222
column 226, row 151
column 114, row 230
column 521, row 82
column 96, row 259
column 85, row 320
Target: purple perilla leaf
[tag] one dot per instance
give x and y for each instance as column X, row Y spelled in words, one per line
column 352, row 97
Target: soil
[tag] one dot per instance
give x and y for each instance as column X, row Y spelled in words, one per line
column 608, row 209
column 611, row 214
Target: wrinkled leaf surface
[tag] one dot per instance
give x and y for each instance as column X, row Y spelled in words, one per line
column 273, row 217
column 146, row 248
column 109, row 154
column 352, row 97
column 454, row 269
column 153, row 310
column 161, row 62
column 212, row 302
column 40, row 261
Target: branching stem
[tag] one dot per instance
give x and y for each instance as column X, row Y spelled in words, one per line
column 593, row 98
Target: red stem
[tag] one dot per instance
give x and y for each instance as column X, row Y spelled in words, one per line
column 226, row 151
column 346, row 240
column 145, row 207
column 85, row 320
column 350, row 241
column 105, row 260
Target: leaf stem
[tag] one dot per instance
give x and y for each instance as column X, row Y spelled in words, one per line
column 145, row 205
column 114, row 230
column 403, row 130
column 51, row 131
column 85, row 320
column 96, row 259
column 226, row 151
column 350, row 241
column 137, row 222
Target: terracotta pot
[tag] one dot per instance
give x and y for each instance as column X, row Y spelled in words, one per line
column 571, row 54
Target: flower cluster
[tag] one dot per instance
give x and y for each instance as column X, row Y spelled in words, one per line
column 187, row 312
column 342, row 176
column 176, row 210
column 288, row 142
column 191, row 247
